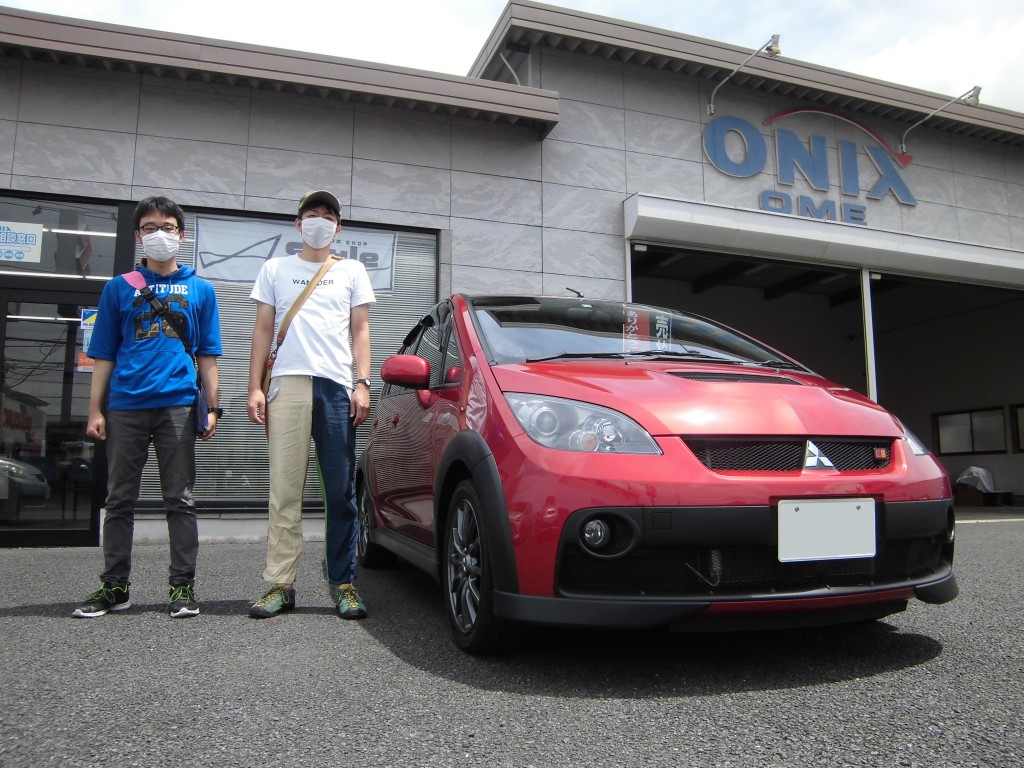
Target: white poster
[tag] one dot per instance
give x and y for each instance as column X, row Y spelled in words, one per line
column 233, row 250
column 20, row 242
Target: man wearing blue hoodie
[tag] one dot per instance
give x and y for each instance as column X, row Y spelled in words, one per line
column 143, row 390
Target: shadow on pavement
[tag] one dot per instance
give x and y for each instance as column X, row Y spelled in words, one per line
column 408, row 623
column 590, row 663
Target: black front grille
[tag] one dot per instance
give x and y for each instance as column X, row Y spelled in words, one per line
column 706, row 572
column 847, row 456
column 787, row 455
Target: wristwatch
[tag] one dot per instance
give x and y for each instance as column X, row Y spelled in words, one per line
column 363, row 381
column 218, row 412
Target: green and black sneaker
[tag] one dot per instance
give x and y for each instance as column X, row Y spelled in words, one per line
column 109, row 597
column 350, row 605
column 182, row 602
column 277, row 600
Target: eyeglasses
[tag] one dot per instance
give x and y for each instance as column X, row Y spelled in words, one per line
column 149, row 229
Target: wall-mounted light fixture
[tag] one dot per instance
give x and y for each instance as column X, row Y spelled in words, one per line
column 771, row 48
column 971, row 98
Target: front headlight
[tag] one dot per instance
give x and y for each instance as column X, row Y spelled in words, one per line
column 569, row 425
column 915, row 445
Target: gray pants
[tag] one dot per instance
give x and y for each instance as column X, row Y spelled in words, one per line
column 174, row 442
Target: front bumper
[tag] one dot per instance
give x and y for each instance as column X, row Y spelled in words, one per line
column 718, row 553
column 806, row 608
column 718, row 567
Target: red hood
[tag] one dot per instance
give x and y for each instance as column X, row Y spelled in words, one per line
column 664, row 399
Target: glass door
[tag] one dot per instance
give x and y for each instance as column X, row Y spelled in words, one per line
column 50, row 472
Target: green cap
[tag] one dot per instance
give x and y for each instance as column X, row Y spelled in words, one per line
column 320, row 197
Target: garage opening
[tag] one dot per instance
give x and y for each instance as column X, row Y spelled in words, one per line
column 943, row 351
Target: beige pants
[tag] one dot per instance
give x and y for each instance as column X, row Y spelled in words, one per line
column 289, row 409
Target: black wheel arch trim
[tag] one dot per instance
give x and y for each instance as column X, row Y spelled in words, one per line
column 468, row 449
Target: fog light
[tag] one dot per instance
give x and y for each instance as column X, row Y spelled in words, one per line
column 596, row 534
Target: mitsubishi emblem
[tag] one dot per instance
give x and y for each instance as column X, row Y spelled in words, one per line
column 815, row 459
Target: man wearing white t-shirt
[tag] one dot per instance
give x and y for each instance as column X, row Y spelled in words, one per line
column 312, row 395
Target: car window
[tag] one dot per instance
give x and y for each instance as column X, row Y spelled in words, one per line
column 452, row 363
column 409, row 345
column 413, row 337
column 517, row 330
column 429, row 348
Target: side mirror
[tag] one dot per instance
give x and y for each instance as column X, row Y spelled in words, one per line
column 409, row 371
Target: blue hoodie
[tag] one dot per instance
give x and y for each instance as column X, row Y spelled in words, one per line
column 151, row 367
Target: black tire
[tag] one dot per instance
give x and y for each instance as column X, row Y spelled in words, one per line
column 467, row 576
column 369, row 555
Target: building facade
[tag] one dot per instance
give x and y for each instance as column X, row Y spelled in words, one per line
column 580, row 153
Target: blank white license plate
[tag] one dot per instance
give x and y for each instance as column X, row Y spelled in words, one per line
column 826, row 529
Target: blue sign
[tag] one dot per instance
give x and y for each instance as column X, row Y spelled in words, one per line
column 20, row 242
column 810, row 158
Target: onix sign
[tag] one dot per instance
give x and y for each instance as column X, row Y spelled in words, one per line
column 875, row 179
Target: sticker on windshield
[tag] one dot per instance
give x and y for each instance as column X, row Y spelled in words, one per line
column 646, row 331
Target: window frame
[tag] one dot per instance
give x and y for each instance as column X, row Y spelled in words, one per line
column 971, row 413
column 1017, row 427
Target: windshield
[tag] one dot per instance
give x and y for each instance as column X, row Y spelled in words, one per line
column 530, row 329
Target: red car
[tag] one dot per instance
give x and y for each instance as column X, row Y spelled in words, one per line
column 573, row 462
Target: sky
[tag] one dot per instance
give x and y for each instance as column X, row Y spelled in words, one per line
column 943, row 46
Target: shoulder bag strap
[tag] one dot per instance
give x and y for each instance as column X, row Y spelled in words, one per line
column 137, row 281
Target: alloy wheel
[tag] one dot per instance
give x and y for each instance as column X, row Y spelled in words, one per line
column 464, row 566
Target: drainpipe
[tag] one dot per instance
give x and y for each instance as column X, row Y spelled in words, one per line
column 869, row 332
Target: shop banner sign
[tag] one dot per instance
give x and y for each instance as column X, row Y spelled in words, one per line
column 233, row 250
column 20, row 242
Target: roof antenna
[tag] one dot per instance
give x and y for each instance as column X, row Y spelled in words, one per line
column 573, row 290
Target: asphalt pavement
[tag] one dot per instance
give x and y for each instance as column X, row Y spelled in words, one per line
column 934, row 686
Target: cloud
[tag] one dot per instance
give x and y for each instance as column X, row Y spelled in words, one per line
column 944, row 46
column 949, row 58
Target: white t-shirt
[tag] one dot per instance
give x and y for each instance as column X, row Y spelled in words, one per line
column 317, row 342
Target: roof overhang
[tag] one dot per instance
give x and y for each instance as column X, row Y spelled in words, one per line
column 732, row 230
column 527, row 25
column 75, row 42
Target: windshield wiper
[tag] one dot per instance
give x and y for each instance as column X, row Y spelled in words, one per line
column 647, row 353
column 779, row 364
column 654, row 354
column 694, row 355
column 576, row 356
column 688, row 355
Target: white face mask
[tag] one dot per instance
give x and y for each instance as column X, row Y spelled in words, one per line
column 160, row 245
column 318, row 232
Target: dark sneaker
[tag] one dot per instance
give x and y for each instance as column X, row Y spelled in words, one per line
column 350, row 605
column 182, row 602
column 107, row 598
column 277, row 600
